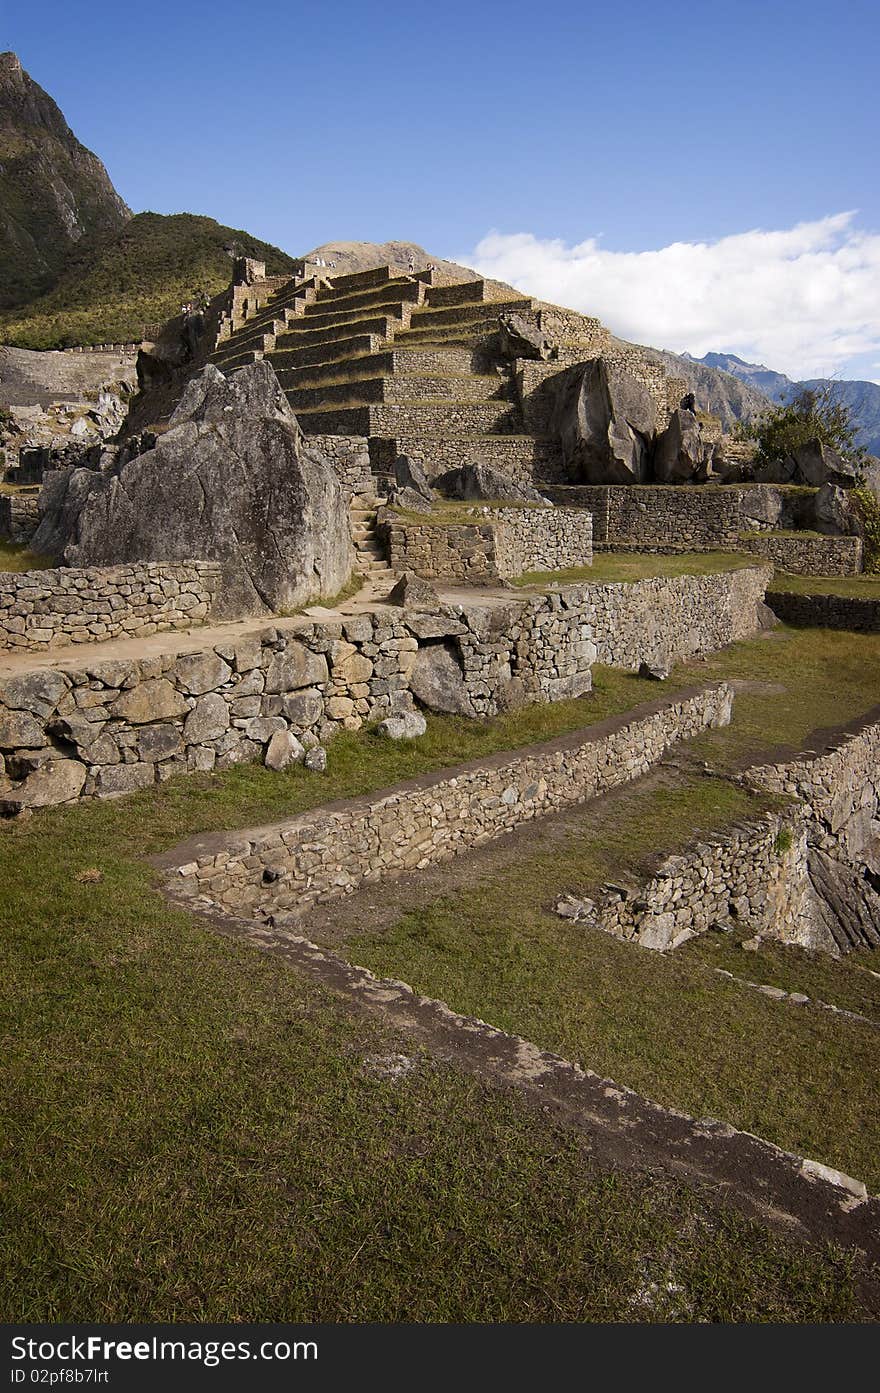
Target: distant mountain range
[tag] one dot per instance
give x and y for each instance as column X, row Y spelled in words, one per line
column 861, row 398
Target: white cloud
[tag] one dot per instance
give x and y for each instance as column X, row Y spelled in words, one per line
column 804, row 300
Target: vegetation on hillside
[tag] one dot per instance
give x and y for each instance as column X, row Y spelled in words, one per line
column 139, row 276
column 813, row 414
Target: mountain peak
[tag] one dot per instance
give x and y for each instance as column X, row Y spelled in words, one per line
column 54, row 193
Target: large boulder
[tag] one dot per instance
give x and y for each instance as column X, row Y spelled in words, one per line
column 606, row 422
column 409, row 474
column 681, row 455
column 517, row 338
column 438, row 683
column 232, row 480
column 833, row 512
column 480, row 482
column 411, row 592
column 817, row 464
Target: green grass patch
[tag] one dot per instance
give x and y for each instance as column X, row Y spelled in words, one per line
column 864, row 587
column 194, row 1133
column 852, row 982
column 666, row 1026
column 609, row 567
column 14, row 558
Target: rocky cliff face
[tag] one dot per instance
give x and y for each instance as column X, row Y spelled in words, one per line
column 53, row 191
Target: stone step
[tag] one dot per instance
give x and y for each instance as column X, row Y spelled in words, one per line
column 440, row 296
column 413, row 418
column 445, row 362
column 396, row 388
column 383, row 326
column 464, row 314
column 354, row 280
column 394, row 292
column 326, row 354
column 329, row 317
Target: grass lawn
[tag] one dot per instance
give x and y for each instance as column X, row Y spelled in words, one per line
column 193, row 1133
column 667, row 1026
column 13, row 558
column 866, row 587
column 629, row 566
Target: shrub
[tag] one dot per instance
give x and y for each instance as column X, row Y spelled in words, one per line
column 812, row 415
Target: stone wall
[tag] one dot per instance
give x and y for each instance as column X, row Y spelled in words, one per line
column 349, row 458
column 500, row 543
column 523, row 458
column 825, row 611
column 40, row 610
column 19, row 516
column 89, row 728
column 542, row 539
column 665, row 619
column 670, row 517
column 838, row 790
column 751, row 876
column 330, row 852
column 807, row 555
column 463, row 553
column 839, row 786
column 93, row 728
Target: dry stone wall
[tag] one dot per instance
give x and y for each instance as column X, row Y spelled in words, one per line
column 805, row 555
column 330, row 852
column 500, row 543
column 92, row 728
column 752, row 875
column 19, row 517
column 542, row 539
column 825, row 611
column 666, row 619
column 682, row 517
column 349, row 458
column 838, row 789
column 40, row 610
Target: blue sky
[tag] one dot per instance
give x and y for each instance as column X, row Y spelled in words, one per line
column 580, row 135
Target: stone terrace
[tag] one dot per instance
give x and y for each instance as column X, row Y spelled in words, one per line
column 414, row 367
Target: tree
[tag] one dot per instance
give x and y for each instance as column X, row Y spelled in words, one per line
column 812, row 415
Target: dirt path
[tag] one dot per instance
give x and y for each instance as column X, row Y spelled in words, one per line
column 371, row 598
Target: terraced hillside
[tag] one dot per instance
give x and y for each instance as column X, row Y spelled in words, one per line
column 408, row 363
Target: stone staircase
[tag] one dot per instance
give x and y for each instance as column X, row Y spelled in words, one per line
column 370, row 559
column 405, row 362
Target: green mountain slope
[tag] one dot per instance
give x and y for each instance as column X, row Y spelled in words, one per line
column 137, row 277
column 54, row 193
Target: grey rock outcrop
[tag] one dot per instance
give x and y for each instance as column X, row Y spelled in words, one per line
column 479, row 482
column 410, row 501
column 606, row 422
column 817, row 464
column 833, row 513
column 519, row 339
column 408, row 725
column 409, row 474
column 232, row 481
column 681, row 455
